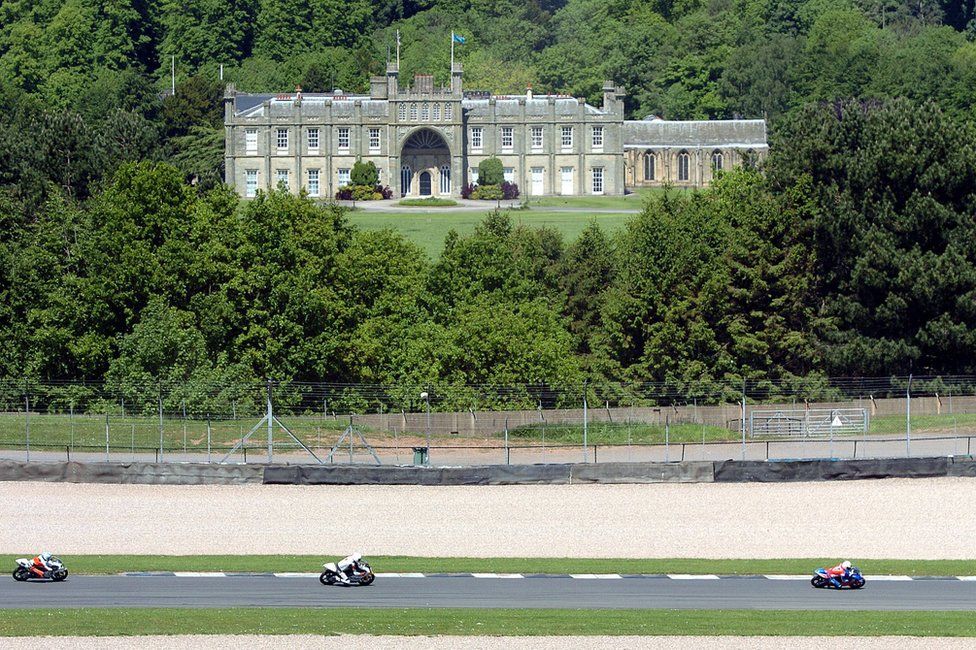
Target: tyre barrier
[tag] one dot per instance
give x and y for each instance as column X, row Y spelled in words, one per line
column 549, row 474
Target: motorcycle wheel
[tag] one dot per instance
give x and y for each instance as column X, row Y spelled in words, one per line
column 367, row 579
column 59, row 575
column 818, row 581
column 21, row 574
column 327, row 578
column 857, row 583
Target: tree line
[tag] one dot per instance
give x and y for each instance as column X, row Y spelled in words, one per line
column 851, row 252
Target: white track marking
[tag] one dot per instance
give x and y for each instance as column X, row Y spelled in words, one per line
column 400, row 575
column 198, row 574
column 596, row 576
column 497, row 575
column 970, row 578
column 687, row 576
column 788, row 577
column 889, row 578
column 296, row 575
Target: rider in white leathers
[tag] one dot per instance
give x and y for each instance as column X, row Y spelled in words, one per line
column 345, row 563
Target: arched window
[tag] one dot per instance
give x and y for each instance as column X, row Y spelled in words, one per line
column 684, row 166
column 717, row 160
column 405, row 177
column 437, row 112
column 649, row 163
column 402, row 112
column 425, row 113
column 413, row 112
column 445, row 179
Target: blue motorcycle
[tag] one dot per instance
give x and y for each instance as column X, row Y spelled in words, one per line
column 853, row 579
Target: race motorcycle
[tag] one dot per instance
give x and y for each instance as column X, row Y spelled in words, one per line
column 23, row 571
column 363, row 577
column 854, row 579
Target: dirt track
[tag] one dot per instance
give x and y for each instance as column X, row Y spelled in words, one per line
column 899, row 518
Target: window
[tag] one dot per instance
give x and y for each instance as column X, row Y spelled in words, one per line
column 343, row 138
column 448, row 111
column 313, row 182
column 282, row 140
column 251, row 142
column 473, row 175
column 537, row 137
column 684, row 161
column 251, row 182
column 406, row 176
column 413, row 112
column 508, row 139
column 402, row 112
column 476, row 137
column 281, row 177
column 425, row 113
column 445, row 179
column 374, row 139
column 343, row 177
column 717, row 161
column 509, row 174
column 313, row 140
column 437, row 112
column 567, row 137
column 598, row 137
column 598, row 180
column 649, row 163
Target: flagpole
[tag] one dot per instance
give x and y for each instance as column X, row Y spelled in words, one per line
column 398, row 48
column 452, row 55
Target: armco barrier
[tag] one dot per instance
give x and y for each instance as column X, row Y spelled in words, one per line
column 828, row 470
column 149, row 473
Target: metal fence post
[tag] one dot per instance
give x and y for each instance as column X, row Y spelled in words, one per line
column 508, row 453
column 667, row 438
column 908, row 418
column 743, row 419
column 71, row 424
column 183, row 406
column 159, row 402
column 106, row 437
column 27, row 424
column 208, row 438
column 584, row 422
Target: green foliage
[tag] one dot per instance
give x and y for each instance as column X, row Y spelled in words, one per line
column 491, row 171
column 364, row 173
column 487, row 193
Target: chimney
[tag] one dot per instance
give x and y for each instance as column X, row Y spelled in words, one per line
column 298, row 95
column 378, row 87
column 528, row 91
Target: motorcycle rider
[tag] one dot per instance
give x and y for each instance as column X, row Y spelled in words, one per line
column 42, row 565
column 347, row 562
column 840, row 572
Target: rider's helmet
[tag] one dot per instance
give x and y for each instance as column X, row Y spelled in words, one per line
column 356, row 557
column 46, row 556
column 846, row 564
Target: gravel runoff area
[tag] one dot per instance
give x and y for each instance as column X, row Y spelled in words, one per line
column 894, row 518
column 350, row 642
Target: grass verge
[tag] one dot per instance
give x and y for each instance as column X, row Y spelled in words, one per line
column 429, row 202
column 108, row 564
column 494, row 622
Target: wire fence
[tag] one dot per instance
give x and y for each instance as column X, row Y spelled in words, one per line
column 479, row 424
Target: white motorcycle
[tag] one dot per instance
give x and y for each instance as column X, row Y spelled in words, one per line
column 363, row 577
column 23, row 572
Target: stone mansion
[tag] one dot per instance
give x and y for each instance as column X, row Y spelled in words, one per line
column 428, row 141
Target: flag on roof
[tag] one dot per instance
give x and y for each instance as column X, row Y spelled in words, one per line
column 457, row 38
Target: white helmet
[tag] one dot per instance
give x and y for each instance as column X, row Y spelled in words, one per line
column 46, row 556
column 846, row 564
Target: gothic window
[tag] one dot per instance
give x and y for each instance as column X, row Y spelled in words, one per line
column 437, row 113
column 717, row 161
column 406, row 176
column 649, row 163
column 684, row 166
column 445, row 179
column 425, row 113
column 413, row 112
column 402, row 112
column 448, row 111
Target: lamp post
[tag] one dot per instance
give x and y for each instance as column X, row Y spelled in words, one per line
column 426, row 397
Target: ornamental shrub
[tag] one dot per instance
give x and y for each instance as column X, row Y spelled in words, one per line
column 487, row 193
column 467, row 191
column 491, row 172
column 510, row 191
column 344, row 193
column 363, row 192
column 364, row 173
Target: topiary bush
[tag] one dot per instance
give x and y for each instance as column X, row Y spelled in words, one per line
column 487, row 193
column 510, row 191
column 491, row 172
column 364, row 173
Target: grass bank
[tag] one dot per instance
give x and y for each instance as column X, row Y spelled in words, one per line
column 491, row 622
column 109, row 564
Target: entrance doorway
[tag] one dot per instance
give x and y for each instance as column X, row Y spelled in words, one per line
column 537, row 184
column 424, row 183
column 566, row 174
column 428, row 157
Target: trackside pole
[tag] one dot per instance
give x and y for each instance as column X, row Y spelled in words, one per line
column 160, row 404
column 908, row 417
column 270, row 418
column 27, row 424
column 585, row 423
column 743, row 420
column 106, row 437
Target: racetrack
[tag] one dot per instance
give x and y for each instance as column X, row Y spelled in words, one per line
column 534, row 592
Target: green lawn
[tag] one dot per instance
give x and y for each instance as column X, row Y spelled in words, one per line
column 432, row 202
column 429, row 229
column 110, row 564
column 633, row 201
column 603, row 433
column 488, row 622
column 962, row 423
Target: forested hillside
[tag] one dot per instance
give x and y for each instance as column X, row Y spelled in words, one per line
column 851, row 251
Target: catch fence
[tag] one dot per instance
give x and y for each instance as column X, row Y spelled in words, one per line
column 298, row 422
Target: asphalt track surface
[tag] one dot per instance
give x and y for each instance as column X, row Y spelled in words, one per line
column 536, row 592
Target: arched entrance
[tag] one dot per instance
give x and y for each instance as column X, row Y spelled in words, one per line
column 428, row 157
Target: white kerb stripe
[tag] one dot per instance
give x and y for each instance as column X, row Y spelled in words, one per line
column 970, row 578
column 296, row 575
column 687, row 576
column 596, row 576
column 197, row 574
column 400, row 575
column 788, row 577
column 890, row 578
column 497, row 575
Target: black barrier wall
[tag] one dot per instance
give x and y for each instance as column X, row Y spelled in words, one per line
column 550, row 474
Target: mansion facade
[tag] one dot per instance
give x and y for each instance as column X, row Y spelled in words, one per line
column 428, row 141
